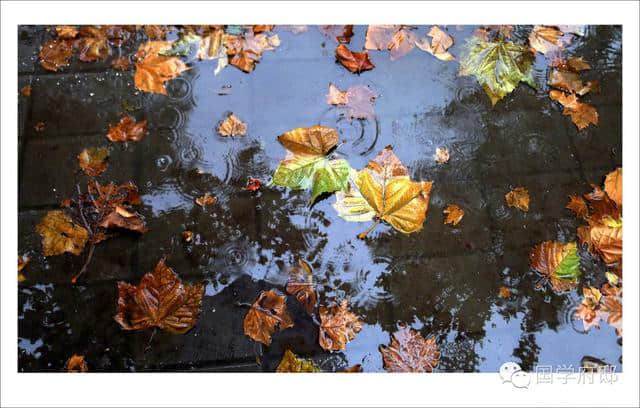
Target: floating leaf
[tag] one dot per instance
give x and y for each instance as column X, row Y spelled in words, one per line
column 340, row 33
column 587, row 311
column 267, row 312
column 156, row 32
column 292, row 364
column 55, row 54
column 23, row 260
column 26, row 91
column 355, row 62
column 338, row 326
column 409, row 352
column 127, row 130
column 454, row 214
column 211, row 46
column 301, row 286
column 353, row 369
column 491, row 32
column 307, row 165
column 578, row 64
column 519, row 198
column 66, row 32
column 153, row 70
column 92, row 44
column 558, row 262
column 39, row 127
column 120, row 217
column 498, row 66
column 442, row 155
column 582, row 114
column 570, row 82
column 388, row 192
column 253, row 184
column 93, row 161
column 232, row 126
column 357, row 100
column 606, row 241
column 504, row 292
column 160, row 300
column 397, row 39
column 613, row 185
column 440, row 42
column 206, row 199
column 246, row 50
column 182, row 47
column 546, row 39
column 76, row 364
column 59, row 234
column 578, row 206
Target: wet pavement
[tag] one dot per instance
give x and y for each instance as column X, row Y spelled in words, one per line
column 443, row 281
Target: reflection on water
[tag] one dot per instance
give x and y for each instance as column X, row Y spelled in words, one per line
column 443, row 281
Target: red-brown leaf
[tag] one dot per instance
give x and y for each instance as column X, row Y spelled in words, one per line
column 267, row 312
column 410, row 352
column 355, row 62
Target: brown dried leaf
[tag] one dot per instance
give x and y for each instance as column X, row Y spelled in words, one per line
column 120, row 217
column 454, row 214
column 160, row 300
column 121, row 64
column 570, row 82
column 613, row 186
column 578, row 206
column 59, row 234
column 355, row 62
column 232, row 126
column 504, row 292
column 440, row 42
column 546, row 39
column 26, row 91
column 93, row 161
column 76, row 364
column 66, row 32
column 340, row 33
column 153, row 70
column 246, row 50
column 519, row 198
column 55, row 54
column 408, row 351
column 301, row 286
column 338, row 326
column 156, row 32
column 127, row 130
column 582, row 114
column 93, row 44
column 605, row 241
column 353, row 369
column 267, row 312
column 206, row 199
column 578, row 64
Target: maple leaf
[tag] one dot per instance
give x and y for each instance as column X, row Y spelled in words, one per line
column 442, row 155
column 454, row 214
column 232, row 126
column 578, row 206
column 338, row 326
column 613, row 186
column 59, row 234
column 301, row 286
column 408, row 351
column 307, row 165
column 253, row 184
column 340, row 33
column 546, row 39
column 570, row 82
column 357, row 100
column 519, row 198
column 93, row 161
column 397, row 39
column 582, row 114
column 206, row 199
column 558, row 262
column 153, row 70
column 355, row 62
column 120, row 217
column 160, row 300
column 55, row 54
column 121, row 64
column 384, row 189
column 66, row 32
column 605, row 240
column 127, row 130
column 440, row 42
column 76, row 364
column 267, row 312
column 292, row 364
column 498, row 66
column 93, row 44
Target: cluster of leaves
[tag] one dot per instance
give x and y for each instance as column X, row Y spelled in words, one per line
column 400, row 40
column 566, row 79
column 518, row 198
column 603, row 304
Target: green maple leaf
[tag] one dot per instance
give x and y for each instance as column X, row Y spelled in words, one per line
column 307, row 165
column 499, row 66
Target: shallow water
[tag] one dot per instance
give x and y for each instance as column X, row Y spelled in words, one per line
column 443, row 281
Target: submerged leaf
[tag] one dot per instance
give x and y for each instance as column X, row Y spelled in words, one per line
column 59, row 234
column 338, row 326
column 267, row 312
column 358, row 100
column 93, row 161
column 397, row 39
column 519, row 198
column 355, row 62
column 160, row 300
column 153, row 69
column 440, row 42
column 55, row 54
column 301, row 286
column 232, row 126
column 292, row 364
column 408, row 352
column 558, row 262
column 127, row 130
column 454, row 214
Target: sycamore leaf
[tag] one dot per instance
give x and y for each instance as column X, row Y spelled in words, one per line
column 153, row 70
column 120, row 217
column 232, row 126
column 76, row 364
column 357, row 100
column 55, row 54
column 558, row 262
column 267, row 312
column 454, row 214
column 519, row 198
column 489, row 32
column 355, row 62
column 440, row 42
column 578, row 64
column 613, row 185
column 160, row 300
column 340, row 33
column 301, row 286
column 582, row 114
column 604, row 240
column 498, row 66
column 388, row 192
column 408, row 352
column 570, row 82
column 307, row 165
column 546, row 39
column 59, row 234
column 93, row 161
column 442, row 155
column 397, row 39
column 127, row 130
column 93, row 44
column 338, row 326
column 587, row 311
column 292, row 364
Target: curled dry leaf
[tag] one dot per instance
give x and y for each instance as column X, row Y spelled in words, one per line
column 93, row 161
column 440, row 42
column 301, row 286
column 153, row 70
column 442, row 155
column 26, row 91
column 253, row 184
column 578, row 206
column 76, row 364
column 409, row 352
column 358, row 100
column 355, row 62
column 206, row 199
column 127, row 130
column 55, row 54
column 613, row 186
column 582, row 114
column 292, row 364
column 187, row 236
column 384, row 190
column 338, row 326
column 546, row 39
column 93, row 44
column 340, row 33
column 267, row 312
column 454, row 214
column 120, row 217
column 121, row 64
column 307, row 165
column 519, row 198
column 59, row 234
column 232, row 126
column 557, row 262
column 66, row 32
column 160, row 300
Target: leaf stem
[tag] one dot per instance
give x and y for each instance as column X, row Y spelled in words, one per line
column 364, row 234
column 86, row 264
